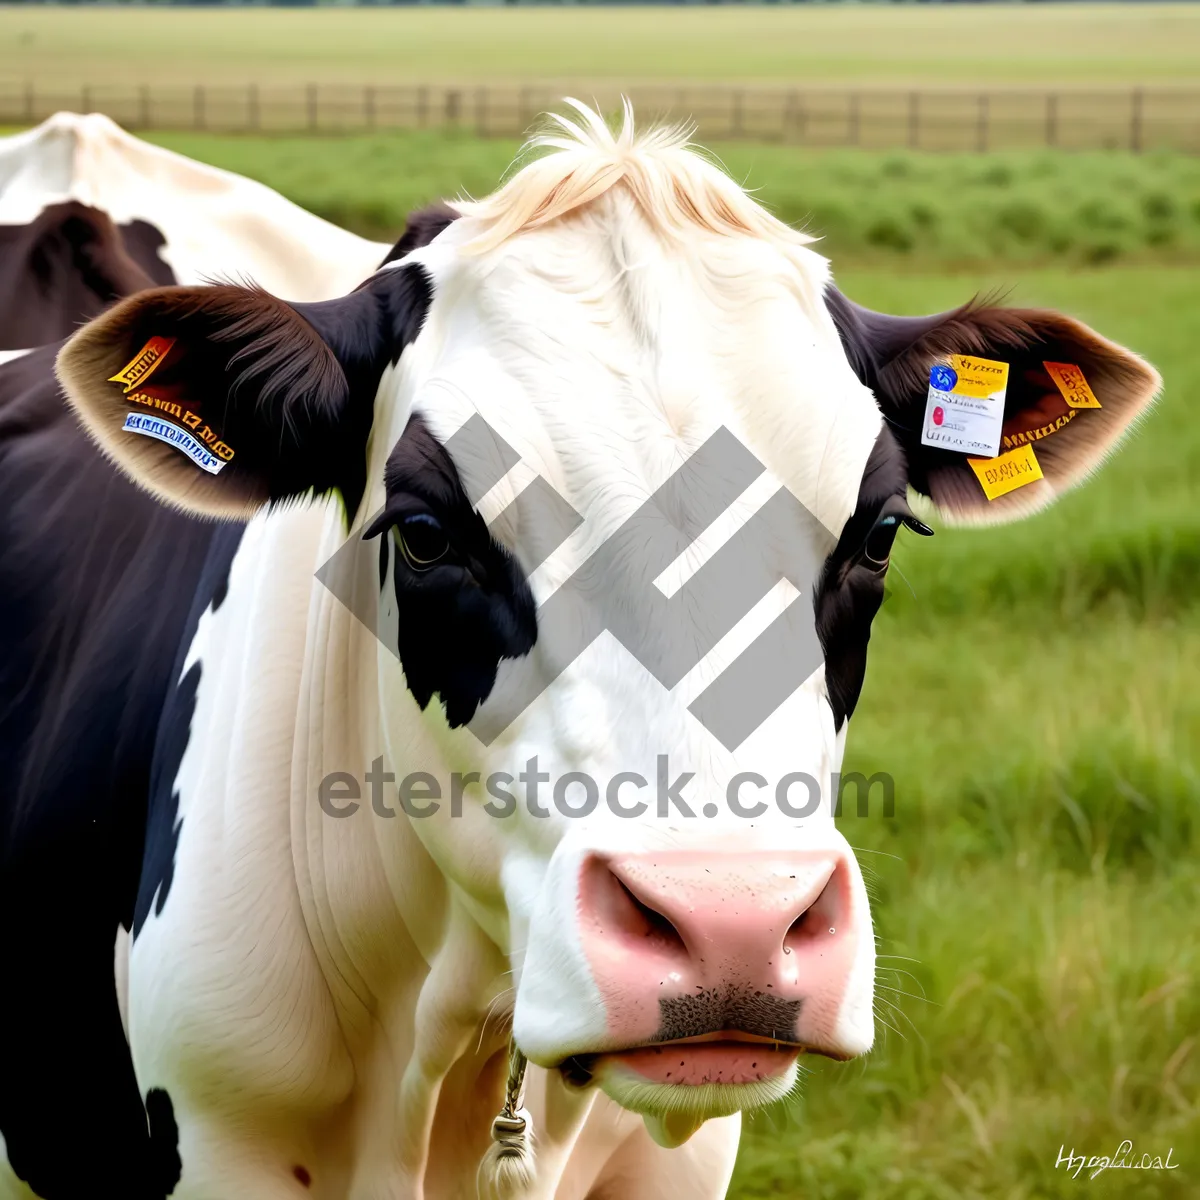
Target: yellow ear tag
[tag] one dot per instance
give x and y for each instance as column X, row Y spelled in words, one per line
column 147, row 360
column 979, row 378
column 1069, row 380
column 1007, row 472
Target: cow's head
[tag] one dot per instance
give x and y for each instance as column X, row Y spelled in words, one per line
column 494, row 410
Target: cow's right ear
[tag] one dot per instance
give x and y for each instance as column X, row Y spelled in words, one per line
column 221, row 399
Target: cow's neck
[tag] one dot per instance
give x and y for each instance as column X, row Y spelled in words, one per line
column 415, row 965
column 419, row 988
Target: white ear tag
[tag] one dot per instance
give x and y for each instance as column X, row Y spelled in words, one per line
column 965, row 407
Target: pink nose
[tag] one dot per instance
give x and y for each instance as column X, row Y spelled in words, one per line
column 684, row 944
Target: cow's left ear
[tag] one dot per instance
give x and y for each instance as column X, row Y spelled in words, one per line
column 221, row 399
column 1070, row 395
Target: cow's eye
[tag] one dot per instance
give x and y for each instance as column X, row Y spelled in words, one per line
column 878, row 548
column 422, row 541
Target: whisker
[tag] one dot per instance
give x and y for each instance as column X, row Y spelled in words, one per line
column 906, row 995
column 487, row 1016
column 897, row 971
column 868, row 850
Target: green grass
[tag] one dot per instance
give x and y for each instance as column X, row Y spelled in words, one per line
column 1022, row 207
column 1045, row 44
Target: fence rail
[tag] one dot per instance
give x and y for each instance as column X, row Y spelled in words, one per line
column 1134, row 119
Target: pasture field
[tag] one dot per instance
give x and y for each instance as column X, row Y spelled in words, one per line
column 976, row 46
column 1032, row 690
column 901, row 207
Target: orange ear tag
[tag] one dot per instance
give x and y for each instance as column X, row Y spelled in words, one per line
column 1069, row 380
column 147, row 360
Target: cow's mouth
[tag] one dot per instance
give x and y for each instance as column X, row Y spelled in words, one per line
column 677, row 1085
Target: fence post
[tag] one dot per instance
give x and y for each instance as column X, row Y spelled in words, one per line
column 369, row 106
column 252, row 106
column 1135, row 121
column 788, row 119
column 481, row 105
column 198, row 107
column 914, row 119
column 855, row 123
column 981, row 131
column 738, row 129
column 144, row 106
column 452, row 107
column 312, row 108
column 1052, row 120
column 29, row 104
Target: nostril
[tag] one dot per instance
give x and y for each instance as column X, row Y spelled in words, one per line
column 823, row 917
column 652, row 924
column 618, row 912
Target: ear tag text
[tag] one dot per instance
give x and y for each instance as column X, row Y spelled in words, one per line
column 964, row 410
column 1069, row 380
column 147, row 360
column 1007, row 472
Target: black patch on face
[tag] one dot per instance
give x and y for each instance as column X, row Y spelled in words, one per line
column 728, row 1008
column 165, row 1167
column 850, row 589
column 472, row 607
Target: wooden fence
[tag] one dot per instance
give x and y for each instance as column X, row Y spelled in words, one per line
column 1134, row 119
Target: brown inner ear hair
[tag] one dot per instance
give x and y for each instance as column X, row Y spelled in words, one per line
column 245, row 362
column 289, row 388
column 893, row 356
column 1027, row 339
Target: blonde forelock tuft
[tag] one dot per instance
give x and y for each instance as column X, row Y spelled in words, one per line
column 675, row 186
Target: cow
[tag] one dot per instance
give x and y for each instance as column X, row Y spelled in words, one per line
column 81, row 199
column 358, row 952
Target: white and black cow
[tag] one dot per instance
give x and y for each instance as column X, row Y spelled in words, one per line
column 78, row 195
column 203, row 744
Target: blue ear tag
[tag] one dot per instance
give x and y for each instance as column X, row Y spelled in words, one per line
column 172, row 435
column 943, row 378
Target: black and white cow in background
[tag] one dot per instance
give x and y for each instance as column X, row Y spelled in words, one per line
column 79, row 196
column 320, row 1005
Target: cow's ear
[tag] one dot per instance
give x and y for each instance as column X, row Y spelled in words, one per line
column 221, row 399
column 1071, row 394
